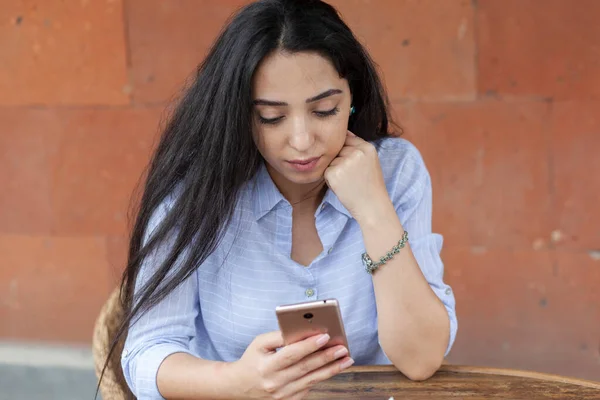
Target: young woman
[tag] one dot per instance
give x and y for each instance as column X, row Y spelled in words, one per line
column 276, row 172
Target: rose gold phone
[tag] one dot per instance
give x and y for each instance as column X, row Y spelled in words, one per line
column 302, row 320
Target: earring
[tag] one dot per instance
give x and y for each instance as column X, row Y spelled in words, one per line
column 352, row 110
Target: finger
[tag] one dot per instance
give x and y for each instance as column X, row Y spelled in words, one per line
column 346, row 151
column 352, row 140
column 295, row 352
column 353, row 143
column 357, row 142
column 319, row 375
column 335, row 162
column 330, row 170
column 352, row 137
column 300, row 395
column 269, row 342
column 314, row 362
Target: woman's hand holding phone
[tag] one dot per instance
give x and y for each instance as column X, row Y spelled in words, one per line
column 264, row 373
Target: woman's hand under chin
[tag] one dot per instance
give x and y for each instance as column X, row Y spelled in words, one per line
column 355, row 176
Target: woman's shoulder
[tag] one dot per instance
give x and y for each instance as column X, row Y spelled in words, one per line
column 393, row 146
column 398, row 155
column 403, row 167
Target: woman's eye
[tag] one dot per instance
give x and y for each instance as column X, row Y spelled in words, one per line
column 320, row 114
column 270, row 121
column 327, row 113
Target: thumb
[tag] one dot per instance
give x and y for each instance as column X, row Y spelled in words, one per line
column 269, row 341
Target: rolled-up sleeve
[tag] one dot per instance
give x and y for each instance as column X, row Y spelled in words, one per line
column 413, row 201
column 165, row 329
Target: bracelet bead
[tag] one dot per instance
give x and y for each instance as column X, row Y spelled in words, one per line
column 371, row 266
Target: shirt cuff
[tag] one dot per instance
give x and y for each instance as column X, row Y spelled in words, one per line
column 141, row 369
column 445, row 294
column 427, row 252
column 453, row 330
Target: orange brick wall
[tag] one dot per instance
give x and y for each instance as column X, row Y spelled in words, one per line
column 501, row 96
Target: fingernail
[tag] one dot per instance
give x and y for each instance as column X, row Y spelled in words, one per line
column 347, row 363
column 323, row 339
column 340, row 353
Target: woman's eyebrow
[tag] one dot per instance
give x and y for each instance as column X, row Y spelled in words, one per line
column 273, row 103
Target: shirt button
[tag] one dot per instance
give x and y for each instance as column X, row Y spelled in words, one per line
column 322, row 206
column 448, row 291
column 309, row 292
column 124, row 353
column 330, row 250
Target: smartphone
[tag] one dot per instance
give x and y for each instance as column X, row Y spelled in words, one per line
column 301, row 320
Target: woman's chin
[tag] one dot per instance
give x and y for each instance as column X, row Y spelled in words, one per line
column 304, row 178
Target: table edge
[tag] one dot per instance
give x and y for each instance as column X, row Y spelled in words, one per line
column 485, row 371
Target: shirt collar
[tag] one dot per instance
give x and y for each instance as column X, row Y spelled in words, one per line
column 266, row 196
column 331, row 199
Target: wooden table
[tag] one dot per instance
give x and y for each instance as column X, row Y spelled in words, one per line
column 453, row 382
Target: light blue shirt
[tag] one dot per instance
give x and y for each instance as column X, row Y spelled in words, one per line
column 231, row 297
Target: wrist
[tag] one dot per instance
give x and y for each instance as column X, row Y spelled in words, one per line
column 377, row 214
column 232, row 382
column 184, row 376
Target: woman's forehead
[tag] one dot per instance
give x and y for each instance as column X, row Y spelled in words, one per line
column 284, row 76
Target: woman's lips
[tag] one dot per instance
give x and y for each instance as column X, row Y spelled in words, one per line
column 305, row 165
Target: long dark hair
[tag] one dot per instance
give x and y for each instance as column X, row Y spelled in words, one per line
column 206, row 150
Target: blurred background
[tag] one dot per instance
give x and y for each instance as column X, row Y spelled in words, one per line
column 502, row 97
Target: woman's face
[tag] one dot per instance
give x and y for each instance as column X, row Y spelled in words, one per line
column 301, row 111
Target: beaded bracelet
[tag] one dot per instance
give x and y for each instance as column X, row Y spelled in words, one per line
column 371, row 266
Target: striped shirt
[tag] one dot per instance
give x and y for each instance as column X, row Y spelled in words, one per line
column 231, row 297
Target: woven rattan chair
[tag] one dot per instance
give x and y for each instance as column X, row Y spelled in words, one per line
column 113, row 385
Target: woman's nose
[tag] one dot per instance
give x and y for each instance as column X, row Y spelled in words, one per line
column 301, row 138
